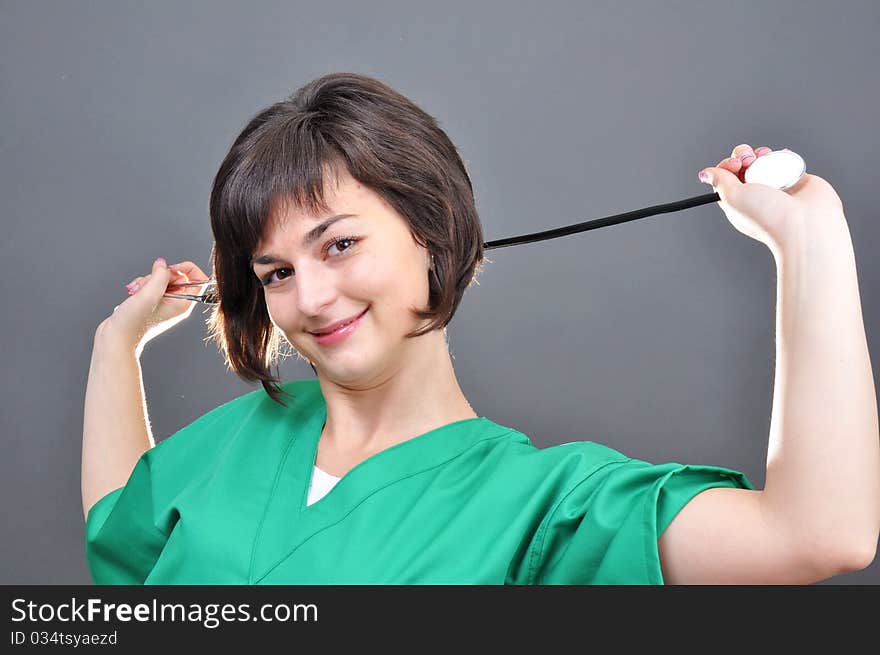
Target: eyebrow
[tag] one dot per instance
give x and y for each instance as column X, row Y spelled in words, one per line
column 311, row 236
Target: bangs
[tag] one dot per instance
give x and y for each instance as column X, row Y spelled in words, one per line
column 278, row 164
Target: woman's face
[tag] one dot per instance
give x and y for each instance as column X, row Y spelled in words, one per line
column 319, row 270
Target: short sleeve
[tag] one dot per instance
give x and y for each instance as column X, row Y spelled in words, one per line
column 605, row 529
column 123, row 539
column 128, row 529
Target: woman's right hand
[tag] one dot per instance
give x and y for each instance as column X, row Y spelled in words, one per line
column 147, row 313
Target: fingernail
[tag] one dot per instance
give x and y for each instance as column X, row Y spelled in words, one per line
column 162, row 261
column 747, row 157
column 134, row 287
column 704, row 177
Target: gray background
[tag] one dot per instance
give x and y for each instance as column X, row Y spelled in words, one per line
column 655, row 337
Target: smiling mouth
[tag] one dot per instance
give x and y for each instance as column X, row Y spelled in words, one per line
column 339, row 327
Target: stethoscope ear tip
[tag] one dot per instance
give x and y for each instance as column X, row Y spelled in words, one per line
column 780, row 169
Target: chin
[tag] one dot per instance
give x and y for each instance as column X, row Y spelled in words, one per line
column 348, row 369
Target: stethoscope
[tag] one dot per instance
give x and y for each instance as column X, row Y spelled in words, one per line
column 780, row 169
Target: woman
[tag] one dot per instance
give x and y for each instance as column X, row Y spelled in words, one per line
column 344, row 224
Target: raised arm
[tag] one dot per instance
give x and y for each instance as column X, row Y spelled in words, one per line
column 819, row 512
column 116, row 429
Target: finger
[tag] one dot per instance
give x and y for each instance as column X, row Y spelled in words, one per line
column 732, row 164
column 136, row 284
column 194, row 277
column 742, row 151
column 178, row 276
column 175, row 271
column 189, row 269
column 762, row 150
column 726, row 183
column 158, row 279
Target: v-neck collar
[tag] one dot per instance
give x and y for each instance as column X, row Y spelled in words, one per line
column 288, row 521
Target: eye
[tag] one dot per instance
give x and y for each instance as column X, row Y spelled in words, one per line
column 348, row 242
column 268, row 278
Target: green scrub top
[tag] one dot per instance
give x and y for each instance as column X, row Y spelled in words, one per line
column 223, row 501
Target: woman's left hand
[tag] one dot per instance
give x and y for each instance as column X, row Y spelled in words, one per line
column 765, row 213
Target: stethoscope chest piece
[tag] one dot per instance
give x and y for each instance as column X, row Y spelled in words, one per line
column 780, row 169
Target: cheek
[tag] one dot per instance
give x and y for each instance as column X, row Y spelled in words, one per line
column 276, row 313
column 392, row 283
column 281, row 307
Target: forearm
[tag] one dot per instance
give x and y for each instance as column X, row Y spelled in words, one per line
column 116, row 430
column 823, row 463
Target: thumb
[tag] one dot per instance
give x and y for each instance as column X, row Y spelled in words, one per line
column 137, row 312
column 726, row 183
column 154, row 287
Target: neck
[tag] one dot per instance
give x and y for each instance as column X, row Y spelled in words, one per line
column 419, row 395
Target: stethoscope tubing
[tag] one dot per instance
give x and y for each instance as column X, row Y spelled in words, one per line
column 614, row 219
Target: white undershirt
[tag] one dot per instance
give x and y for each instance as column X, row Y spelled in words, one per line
column 320, row 484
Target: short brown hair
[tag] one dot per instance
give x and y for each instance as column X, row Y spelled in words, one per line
column 386, row 143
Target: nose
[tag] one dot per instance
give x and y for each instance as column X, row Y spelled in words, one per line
column 315, row 289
